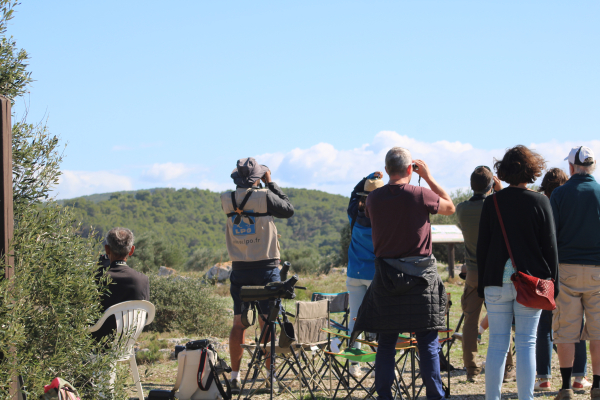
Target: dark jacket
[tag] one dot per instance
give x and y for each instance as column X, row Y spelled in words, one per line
column 398, row 301
column 529, row 225
column 278, row 204
column 576, row 211
column 126, row 284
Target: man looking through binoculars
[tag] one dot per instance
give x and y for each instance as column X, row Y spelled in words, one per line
column 251, row 243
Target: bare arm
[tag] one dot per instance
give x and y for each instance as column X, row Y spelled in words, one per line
column 446, row 204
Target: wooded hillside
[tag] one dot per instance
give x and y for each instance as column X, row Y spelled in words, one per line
column 193, row 218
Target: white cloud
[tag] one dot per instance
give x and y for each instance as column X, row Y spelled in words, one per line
column 321, row 166
column 168, row 172
column 80, row 183
column 324, row 167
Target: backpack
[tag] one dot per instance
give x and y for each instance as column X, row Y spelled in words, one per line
column 199, row 371
column 61, row 390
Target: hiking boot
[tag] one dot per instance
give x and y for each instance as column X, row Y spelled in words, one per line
column 236, row 385
column 510, row 374
column 565, row 394
column 472, row 374
column 595, row 393
column 581, row 383
column 543, row 385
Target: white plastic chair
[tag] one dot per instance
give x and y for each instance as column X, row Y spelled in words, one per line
column 131, row 317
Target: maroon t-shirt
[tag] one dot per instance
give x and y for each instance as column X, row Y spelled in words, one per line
column 400, row 220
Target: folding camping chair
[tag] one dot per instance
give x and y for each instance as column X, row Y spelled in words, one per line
column 339, row 303
column 311, row 342
column 342, row 369
column 349, row 383
column 308, row 349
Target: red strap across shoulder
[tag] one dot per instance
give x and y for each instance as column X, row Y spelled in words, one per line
column 504, row 231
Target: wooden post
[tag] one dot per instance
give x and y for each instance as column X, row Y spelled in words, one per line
column 450, row 259
column 7, row 222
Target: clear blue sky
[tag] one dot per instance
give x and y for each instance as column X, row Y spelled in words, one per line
column 151, row 94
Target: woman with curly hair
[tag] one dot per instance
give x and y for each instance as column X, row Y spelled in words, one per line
column 529, row 226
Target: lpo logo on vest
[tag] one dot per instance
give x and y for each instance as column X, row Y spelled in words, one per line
column 244, row 228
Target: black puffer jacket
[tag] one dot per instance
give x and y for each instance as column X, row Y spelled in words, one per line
column 397, row 302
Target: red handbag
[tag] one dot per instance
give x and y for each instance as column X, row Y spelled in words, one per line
column 531, row 291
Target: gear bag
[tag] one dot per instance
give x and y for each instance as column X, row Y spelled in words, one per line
column 59, row 389
column 199, row 373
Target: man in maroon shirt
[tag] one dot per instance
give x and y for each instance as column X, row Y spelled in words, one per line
column 407, row 294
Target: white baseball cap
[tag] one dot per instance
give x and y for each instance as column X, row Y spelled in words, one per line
column 578, row 155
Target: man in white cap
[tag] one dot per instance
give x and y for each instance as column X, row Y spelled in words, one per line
column 576, row 209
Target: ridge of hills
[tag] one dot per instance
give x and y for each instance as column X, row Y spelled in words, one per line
column 192, row 219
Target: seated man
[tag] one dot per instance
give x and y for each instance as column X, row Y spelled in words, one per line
column 125, row 283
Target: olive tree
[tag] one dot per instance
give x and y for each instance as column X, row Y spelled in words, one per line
column 46, row 309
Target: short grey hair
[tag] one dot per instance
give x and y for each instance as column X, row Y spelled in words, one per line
column 584, row 169
column 397, row 161
column 120, row 241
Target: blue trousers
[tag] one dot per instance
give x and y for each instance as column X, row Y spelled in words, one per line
column 502, row 307
column 428, row 345
column 543, row 349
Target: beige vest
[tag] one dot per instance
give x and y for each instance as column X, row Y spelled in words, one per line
column 247, row 242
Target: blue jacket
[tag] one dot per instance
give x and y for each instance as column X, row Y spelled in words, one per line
column 361, row 255
column 576, row 209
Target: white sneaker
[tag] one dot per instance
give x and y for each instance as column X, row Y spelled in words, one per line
column 581, row 383
column 355, row 370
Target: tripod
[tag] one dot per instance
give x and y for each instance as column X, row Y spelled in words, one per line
column 269, row 330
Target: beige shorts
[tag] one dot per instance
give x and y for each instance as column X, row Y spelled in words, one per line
column 579, row 294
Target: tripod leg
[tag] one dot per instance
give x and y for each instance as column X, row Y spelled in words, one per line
column 272, row 366
column 254, row 357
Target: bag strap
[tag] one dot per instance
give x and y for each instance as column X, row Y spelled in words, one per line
column 226, row 394
column 239, row 211
column 504, row 231
column 201, row 371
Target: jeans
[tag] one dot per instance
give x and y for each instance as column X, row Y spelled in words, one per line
column 357, row 289
column 428, row 345
column 502, row 306
column 543, row 349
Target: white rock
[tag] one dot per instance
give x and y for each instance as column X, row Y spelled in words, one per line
column 219, row 272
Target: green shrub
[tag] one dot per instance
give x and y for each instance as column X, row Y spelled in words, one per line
column 308, row 261
column 153, row 353
column 187, row 305
column 152, row 251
